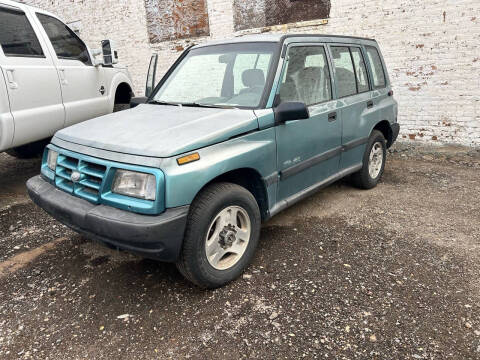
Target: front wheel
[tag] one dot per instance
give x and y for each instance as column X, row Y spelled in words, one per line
column 29, row 151
column 373, row 162
column 221, row 237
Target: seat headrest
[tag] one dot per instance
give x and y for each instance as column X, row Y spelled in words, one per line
column 310, row 73
column 253, row 77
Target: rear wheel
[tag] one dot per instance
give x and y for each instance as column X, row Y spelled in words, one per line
column 373, row 162
column 221, row 236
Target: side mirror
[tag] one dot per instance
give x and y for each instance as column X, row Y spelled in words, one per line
column 134, row 102
column 109, row 52
column 289, row 111
column 152, row 72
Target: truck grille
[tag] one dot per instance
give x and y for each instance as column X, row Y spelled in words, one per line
column 89, row 182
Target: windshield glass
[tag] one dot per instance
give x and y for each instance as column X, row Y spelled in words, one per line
column 232, row 75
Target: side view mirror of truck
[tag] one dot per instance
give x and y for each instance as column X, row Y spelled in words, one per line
column 108, row 52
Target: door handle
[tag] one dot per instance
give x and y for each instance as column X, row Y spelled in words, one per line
column 11, row 79
column 332, row 116
column 63, row 79
column 369, row 104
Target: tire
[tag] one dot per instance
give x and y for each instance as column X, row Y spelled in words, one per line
column 207, row 230
column 364, row 178
column 120, row 107
column 29, row 151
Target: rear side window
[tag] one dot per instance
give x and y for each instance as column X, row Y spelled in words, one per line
column 344, row 72
column 17, row 36
column 360, row 70
column 66, row 43
column 377, row 67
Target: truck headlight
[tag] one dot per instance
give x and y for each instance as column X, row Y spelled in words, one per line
column 52, row 159
column 135, row 184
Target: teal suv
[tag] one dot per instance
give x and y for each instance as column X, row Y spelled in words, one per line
column 235, row 132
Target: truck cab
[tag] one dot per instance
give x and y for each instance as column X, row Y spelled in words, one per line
column 235, row 132
column 49, row 79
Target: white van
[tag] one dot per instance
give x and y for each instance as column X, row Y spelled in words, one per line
column 49, row 79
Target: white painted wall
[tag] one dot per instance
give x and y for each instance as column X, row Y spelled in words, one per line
column 432, row 49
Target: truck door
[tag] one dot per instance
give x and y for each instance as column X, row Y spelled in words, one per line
column 83, row 89
column 31, row 78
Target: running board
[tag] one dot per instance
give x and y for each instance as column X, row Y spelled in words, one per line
column 282, row 205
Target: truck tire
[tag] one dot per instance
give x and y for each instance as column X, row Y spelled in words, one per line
column 373, row 162
column 120, row 107
column 222, row 234
column 29, row 151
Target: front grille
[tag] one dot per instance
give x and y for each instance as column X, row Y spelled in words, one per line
column 89, row 184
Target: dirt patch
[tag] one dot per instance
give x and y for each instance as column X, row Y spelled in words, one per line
column 23, row 259
column 380, row 274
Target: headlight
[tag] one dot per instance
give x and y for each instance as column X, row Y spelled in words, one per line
column 135, row 184
column 52, row 160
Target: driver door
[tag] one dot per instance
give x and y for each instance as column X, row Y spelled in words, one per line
column 308, row 151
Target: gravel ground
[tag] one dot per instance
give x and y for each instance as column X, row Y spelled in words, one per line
column 390, row 273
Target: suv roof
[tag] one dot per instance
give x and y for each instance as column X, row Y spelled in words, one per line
column 279, row 38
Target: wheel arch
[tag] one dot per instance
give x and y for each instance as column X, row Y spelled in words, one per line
column 123, row 93
column 251, row 180
column 385, row 128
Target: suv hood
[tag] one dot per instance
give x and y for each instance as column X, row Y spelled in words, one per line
column 160, row 130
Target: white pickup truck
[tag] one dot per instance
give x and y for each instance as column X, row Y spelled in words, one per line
column 49, row 79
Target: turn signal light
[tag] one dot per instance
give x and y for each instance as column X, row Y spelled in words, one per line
column 188, row 159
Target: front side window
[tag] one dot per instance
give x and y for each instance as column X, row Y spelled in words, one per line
column 65, row 42
column 232, row 75
column 344, row 71
column 307, row 76
column 17, row 37
column 377, row 67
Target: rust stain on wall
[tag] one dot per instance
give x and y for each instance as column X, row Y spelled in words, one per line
column 261, row 13
column 176, row 19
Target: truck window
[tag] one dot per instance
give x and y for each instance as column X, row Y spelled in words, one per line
column 360, row 70
column 376, row 67
column 17, row 36
column 66, row 43
column 307, row 77
column 344, row 71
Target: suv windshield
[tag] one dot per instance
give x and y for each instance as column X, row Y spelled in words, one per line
column 231, row 75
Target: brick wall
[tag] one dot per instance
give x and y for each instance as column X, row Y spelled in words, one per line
column 432, row 50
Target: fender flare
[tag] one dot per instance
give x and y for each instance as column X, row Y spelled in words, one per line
column 117, row 79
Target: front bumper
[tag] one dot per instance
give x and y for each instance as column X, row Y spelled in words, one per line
column 156, row 237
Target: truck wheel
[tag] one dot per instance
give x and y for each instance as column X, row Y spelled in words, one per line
column 222, row 233
column 29, row 151
column 373, row 162
column 120, row 107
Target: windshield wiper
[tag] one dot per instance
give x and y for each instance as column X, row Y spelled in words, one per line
column 156, row 102
column 194, row 104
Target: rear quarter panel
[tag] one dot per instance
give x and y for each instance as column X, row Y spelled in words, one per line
column 386, row 106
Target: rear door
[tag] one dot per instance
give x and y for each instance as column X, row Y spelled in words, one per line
column 353, row 91
column 31, row 78
column 308, row 151
column 83, row 85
